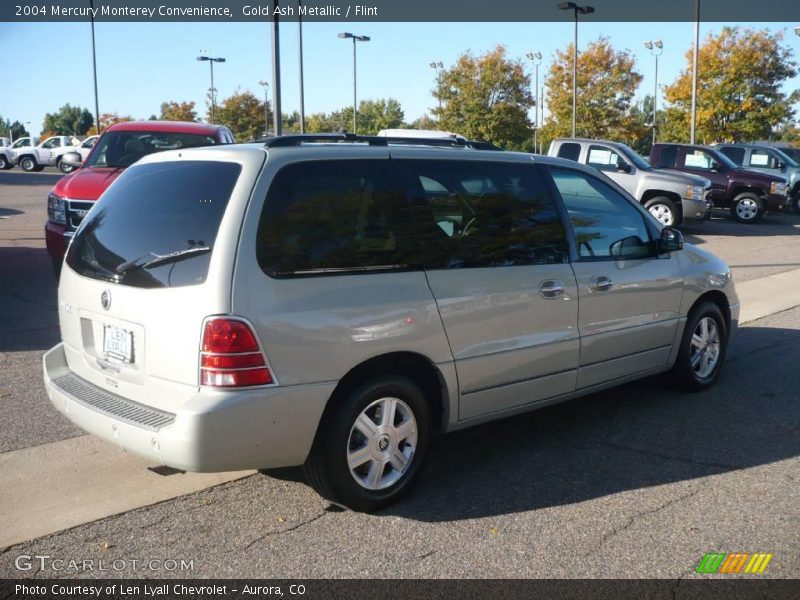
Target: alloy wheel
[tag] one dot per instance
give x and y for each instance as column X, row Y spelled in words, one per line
column 705, row 347
column 747, row 209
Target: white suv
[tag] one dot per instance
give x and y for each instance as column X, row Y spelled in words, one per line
column 334, row 301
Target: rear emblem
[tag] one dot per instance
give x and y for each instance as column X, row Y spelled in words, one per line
column 105, row 299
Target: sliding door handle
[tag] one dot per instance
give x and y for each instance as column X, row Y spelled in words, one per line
column 551, row 289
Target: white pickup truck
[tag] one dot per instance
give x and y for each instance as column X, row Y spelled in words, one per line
column 32, row 157
column 5, row 153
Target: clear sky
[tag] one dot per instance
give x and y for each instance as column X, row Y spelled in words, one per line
column 141, row 65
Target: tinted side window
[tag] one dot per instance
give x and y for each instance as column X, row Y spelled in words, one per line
column 483, row 214
column 763, row 158
column 735, row 154
column 603, row 159
column 335, row 216
column 606, row 224
column 570, row 151
column 667, row 158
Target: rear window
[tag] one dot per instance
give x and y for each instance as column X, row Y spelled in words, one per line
column 156, row 225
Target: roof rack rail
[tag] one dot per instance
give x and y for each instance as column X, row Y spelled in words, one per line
column 372, row 140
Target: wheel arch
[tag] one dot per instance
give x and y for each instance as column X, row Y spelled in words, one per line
column 652, row 193
column 721, row 300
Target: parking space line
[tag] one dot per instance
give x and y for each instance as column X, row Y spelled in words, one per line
column 48, row 488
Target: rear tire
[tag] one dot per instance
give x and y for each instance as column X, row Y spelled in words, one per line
column 4, row 164
column 65, row 168
column 702, row 350
column 28, row 164
column 370, row 444
column 664, row 210
column 747, row 208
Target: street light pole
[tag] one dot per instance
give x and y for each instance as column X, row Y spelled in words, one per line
column 693, row 123
column 94, row 73
column 355, row 38
column 211, row 61
column 656, row 49
column 265, row 85
column 302, row 98
column 277, row 115
column 584, row 10
column 536, row 58
column 438, row 66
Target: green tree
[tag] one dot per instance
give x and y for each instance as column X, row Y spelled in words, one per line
column 607, row 83
column 178, row 111
column 18, row 130
column 243, row 114
column 69, row 120
column 740, row 76
column 374, row 115
column 424, row 122
column 485, row 97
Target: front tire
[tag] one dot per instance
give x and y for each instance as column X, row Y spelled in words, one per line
column 28, row 164
column 794, row 199
column 664, row 210
column 747, row 208
column 370, row 445
column 702, row 350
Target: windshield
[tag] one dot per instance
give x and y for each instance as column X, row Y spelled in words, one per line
column 631, row 155
column 156, row 225
column 123, row 148
column 785, row 157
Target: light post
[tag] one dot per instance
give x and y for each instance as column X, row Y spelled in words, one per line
column 355, row 38
column 265, row 85
column 656, row 49
column 695, row 51
column 584, row 10
column 94, row 73
column 536, row 58
column 300, row 43
column 438, row 66
column 211, row 62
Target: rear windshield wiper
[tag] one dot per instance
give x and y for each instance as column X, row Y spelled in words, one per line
column 161, row 259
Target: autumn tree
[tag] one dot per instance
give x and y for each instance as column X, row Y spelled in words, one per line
column 607, row 83
column 178, row 111
column 107, row 120
column 69, row 120
column 485, row 97
column 740, row 76
column 243, row 114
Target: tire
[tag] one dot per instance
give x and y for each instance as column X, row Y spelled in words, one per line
column 709, row 349
column 747, row 208
column 3, row 163
column 64, row 168
column 664, row 210
column 28, row 164
column 377, row 480
column 794, row 200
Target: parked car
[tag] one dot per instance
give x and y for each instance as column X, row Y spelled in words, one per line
column 86, row 146
column 334, row 305
column 35, row 157
column 669, row 196
column 5, row 153
column 747, row 194
column 769, row 160
column 119, row 147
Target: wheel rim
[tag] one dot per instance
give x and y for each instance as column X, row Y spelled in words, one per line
column 662, row 212
column 705, row 347
column 27, row 164
column 747, row 209
column 381, row 444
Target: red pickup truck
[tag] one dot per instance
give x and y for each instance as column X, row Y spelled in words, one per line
column 119, row 147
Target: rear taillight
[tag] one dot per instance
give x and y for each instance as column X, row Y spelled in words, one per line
column 230, row 355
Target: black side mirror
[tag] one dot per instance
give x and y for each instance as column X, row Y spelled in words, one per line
column 624, row 167
column 780, row 165
column 671, row 240
column 72, row 159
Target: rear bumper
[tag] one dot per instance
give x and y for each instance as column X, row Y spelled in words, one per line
column 214, row 431
column 695, row 208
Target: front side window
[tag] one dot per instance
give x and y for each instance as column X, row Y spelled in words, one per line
column 23, row 143
column 483, row 214
column 156, row 225
column 335, row 216
column 763, row 159
column 604, row 159
column 52, row 143
column 606, row 224
column 123, row 148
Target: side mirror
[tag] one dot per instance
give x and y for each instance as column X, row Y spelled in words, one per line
column 671, row 240
column 624, row 167
column 72, row 159
column 780, row 165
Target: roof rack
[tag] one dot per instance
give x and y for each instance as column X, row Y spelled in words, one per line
column 372, row 140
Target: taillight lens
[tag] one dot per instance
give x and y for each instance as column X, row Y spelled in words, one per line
column 230, row 356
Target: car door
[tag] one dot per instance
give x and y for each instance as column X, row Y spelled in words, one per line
column 614, row 166
column 700, row 162
column 496, row 259
column 45, row 151
column 629, row 299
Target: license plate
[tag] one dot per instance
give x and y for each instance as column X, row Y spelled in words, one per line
column 118, row 343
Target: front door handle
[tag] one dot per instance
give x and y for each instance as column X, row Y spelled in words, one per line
column 600, row 283
column 551, row 289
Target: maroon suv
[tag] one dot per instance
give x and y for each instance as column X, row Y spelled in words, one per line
column 748, row 194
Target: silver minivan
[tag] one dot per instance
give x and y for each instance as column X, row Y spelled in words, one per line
column 333, row 302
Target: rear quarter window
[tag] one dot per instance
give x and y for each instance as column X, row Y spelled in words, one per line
column 570, row 151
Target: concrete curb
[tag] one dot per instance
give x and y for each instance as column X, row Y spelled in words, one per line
column 768, row 295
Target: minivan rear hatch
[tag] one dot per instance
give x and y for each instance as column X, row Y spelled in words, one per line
column 149, row 263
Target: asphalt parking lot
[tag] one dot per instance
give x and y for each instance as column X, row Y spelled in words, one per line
column 638, row 481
